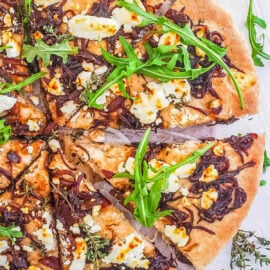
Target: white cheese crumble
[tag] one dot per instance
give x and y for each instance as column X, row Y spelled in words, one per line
column 55, row 87
column 6, row 103
column 177, row 235
column 208, row 198
column 45, row 235
column 75, row 228
column 69, row 107
column 209, row 174
column 92, row 27
column 15, row 49
column 129, row 251
column 30, row 149
column 3, row 245
column 79, row 255
column 186, row 170
column 33, row 125
column 27, row 248
column 84, row 78
column 93, row 228
column 45, row 3
column 54, row 145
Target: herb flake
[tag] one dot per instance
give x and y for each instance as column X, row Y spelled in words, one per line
column 5, row 132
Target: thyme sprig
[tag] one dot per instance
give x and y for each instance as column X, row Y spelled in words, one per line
column 96, row 245
column 246, row 245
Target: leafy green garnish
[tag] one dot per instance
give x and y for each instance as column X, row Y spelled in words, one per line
column 11, row 232
column 4, row 48
column 214, row 52
column 257, row 47
column 5, row 132
column 247, row 245
column 43, row 51
column 96, row 245
column 147, row 190
column 263, row 183
column 27, row 8
column 8, row 87
column 159, row 66
column 266, row 161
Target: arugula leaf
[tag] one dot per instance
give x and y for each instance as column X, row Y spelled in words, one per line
column 43, row 51
column 8, row 87
column 5, row 132
column 148, row 191
column 257, row 47
column 4, row 48
column 27, row 11
column 11, row 232
column 159, row 66
column 214, row 52
column 266, row 161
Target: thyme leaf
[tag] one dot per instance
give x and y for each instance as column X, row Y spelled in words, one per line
column 146, row 197
column 257, row 47
column 246, row 246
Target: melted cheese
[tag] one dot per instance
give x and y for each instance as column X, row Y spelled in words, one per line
column 129, row 251
column 55, row 87
column 33, row 125
column 177, row 235
column 79, row 255
column 209, row 174
column 6, row 103
column 146, row 106
column 54, row 145
column 218, row 150
column 7, row 20
column 245, row 80
column 45, row 3
column 45, row 235
column 208, row 198
column 3, row 245
column 69, row 107
column 15, row 49
column 92, row 27
column 169, row 39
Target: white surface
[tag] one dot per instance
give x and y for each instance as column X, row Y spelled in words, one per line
column 258, row 219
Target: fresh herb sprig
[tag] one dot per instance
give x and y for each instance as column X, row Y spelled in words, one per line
column 247, row 245
column 43, row 51
column 257, row 47
column 266, row 161
column 147, row 190
column 9, row 87
column 96, row 245
column 157, row 66
column 11, row 232
column 5, row 132
column 214, row 52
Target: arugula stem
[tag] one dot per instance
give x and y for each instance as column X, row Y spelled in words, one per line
column 188, row 38
column 7, row 87
column 4, row 48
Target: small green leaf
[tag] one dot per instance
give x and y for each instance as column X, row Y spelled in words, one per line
column 263, row 183
column 266, row 161
column 43, row 51
column 5, row 132
column 11, row 232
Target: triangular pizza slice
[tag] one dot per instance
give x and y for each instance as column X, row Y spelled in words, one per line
column 196, row 193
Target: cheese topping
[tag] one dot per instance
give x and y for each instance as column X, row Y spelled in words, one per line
column 33, row 267
column 146, row 106
column 130, row 165
column 79, row 255
column 33, row 125
column 169, row 39
column 208, row 198
column 69, row 107
column 177, row 235
column 84, row 78
column 55, row 87
column 245, row 80
column 15, row 49
column 93, row 228
column 45, row 235
column 6, row 103
column 7, row 20
column 129, row 251
column 45, row 3
column 218, row 150
column 54, row 145
column 186, row 170
column 4, row 261
column 92, row 27
column 209, row 174
column 3, row 245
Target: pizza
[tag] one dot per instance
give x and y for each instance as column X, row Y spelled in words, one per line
column 209, row 197
column 69, row 70
column 101, row 32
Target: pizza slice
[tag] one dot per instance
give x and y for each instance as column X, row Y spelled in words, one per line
column 19, row 101
column 25, row 209
column 122, row 67
column 93, row 233
column 196, row 193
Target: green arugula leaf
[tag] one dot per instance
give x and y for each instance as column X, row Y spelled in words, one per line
column 11, row 232
column 43, row 51
column 9, row 87
column 5, row 132
column 4, row 48
column 214, row 52
column 148, row 191
column 266, row 161
column 27, row 11
column 257, row 47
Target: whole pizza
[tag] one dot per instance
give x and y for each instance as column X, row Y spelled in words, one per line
column 72, row 197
